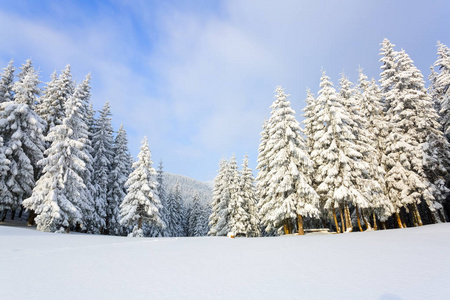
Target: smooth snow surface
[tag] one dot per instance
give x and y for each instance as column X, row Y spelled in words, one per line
column 411, row 263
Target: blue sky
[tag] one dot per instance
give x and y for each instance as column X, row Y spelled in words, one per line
column 197, row 77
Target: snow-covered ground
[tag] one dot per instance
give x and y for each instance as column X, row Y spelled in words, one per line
column 411, row 263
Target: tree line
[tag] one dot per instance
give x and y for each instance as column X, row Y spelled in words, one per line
column 371, row 155
column 65, row 167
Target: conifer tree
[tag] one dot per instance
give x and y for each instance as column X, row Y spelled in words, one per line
column 336, row 155
column 7, row 83
column 60, row 198
column 371, row 110
column 102, row 144
column 117, row 178
column 141, row 204
column 26, row 89
column 162, row 195
column 441, row 85
column 4, row 191
column 218, row 220
column 198, row 220
column 290, row 196
column 21, row 130
column 239, row 217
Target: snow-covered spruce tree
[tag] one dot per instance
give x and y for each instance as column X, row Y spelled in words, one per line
column 243, row 214
column 26, row 89
column 174, row 211
column 21, row 130
column 336, row 155
column 141, row 204
column 218, row 220
column 238, row 214
column 371, row 111
column 198, row 221
column 413, row 129
column 162, row 195
column 60, row 198
column 441, row 86
column 117, row 179
column 7, row 83
column 102, row 143
column 4, row 166
column 290, row 196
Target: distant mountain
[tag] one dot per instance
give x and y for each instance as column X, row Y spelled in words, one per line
column 189, row 186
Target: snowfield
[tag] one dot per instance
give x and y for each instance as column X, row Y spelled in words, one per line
column 411, row 263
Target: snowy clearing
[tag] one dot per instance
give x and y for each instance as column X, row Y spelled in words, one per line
column 411, row 263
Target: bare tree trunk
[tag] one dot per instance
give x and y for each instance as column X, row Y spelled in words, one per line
column 324, row 223
column 140, row 223
column 300, row 225
column 348, row 218
column 286, row 229
column 402, row 218
column 338, row 229
column 21, row 212
column 342, row 219
column 358, row 219
column 416, row 212
column 13, row 214
column 366, row 223
column 3, row 215
column 375, row 225
column 399, row 221
column 31, row 216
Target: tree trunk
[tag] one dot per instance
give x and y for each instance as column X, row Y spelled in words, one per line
column 375, row 225
column 416, row 212
column 140, row 222
column 13, row 214
column 348, row 218
column 300, row 225
column 383, row 225
column 338, row 229
column 21, row 212
column 342, row 219
column 358, row 219
column 399, row 221
column 366, row 223
column 402, row 218
column 286, row 229
column 31, row 216
column 3, row 215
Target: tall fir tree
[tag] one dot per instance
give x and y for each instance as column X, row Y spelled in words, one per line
column 249, row 198
column 141, row 204
column 289, row 195
column 218, row 220
column 60, row 198
column 102, row 144
column 117, row 178
column 26, row 89
column 7, row 83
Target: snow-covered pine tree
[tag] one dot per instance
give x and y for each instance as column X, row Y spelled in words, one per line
column 290, row 196
column 336, row 155
column 162, row 195
column 21, row 129
column 60, row 198
column 141, row 204
column 102, row 143
column 26, row 89
column 414, row 128
column 248, row 195
column 178, row 213
column 374, row 129
column 7, row 83
column 441, row 86
column 239, row 217
column 49, row 107
column 4, row 167
column 117, row 179
column 218, row 219
column 198, row 221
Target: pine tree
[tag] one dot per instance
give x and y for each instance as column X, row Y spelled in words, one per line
column 26, row 89
column 21, row 130
column 60, row 198
column 218, row 220
column 442, row 86
column 371, row 110
column 248, row 196
column 290, row 196
column 198, row 221
column 117, row 179
column 4, row 167
column 141, row 204
column 162, row 195
column 414, row 128
column 238, row 215
column 337, row 157
column 7, row 83
column 102, row 143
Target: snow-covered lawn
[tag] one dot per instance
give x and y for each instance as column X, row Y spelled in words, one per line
column 411, row 263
